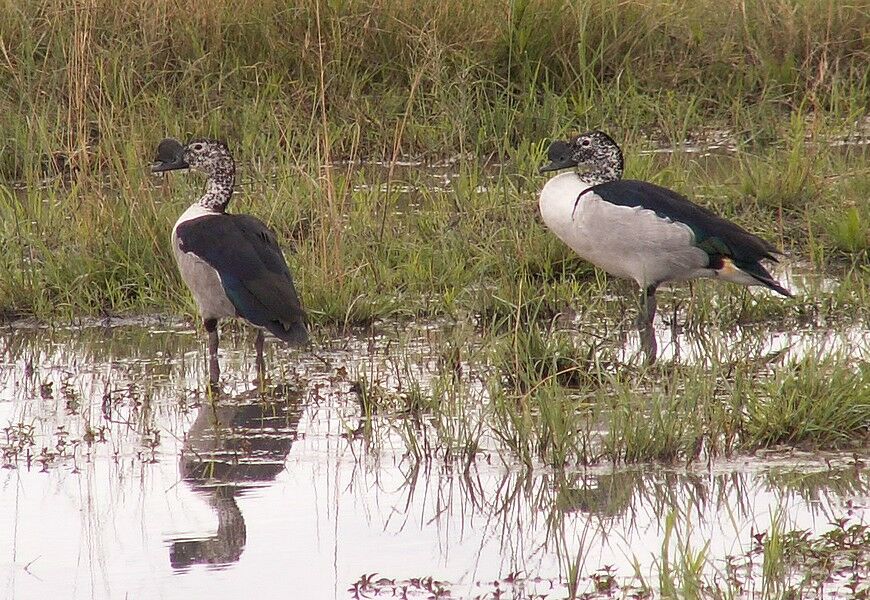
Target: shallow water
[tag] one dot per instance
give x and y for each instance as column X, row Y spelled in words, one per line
column 121, row 479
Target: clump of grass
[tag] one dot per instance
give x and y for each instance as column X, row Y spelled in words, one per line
column 550, row 425
column 817, row 401
column 849, row 231
column 780, row 181
column 665, row 427
column 537, row 355
column 681, row 576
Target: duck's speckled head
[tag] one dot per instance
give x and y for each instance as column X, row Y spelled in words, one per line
column 594, row 150
column 205, row 155
column 211, row 157
column 208, row 156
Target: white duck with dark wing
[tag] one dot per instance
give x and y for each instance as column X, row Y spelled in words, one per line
column 231, row 263
column 641, row 231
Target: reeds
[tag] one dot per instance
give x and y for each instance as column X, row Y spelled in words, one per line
column 90, row 77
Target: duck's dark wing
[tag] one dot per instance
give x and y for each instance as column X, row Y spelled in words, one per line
column 719, row 238
column 713, row 234
column 252, row 270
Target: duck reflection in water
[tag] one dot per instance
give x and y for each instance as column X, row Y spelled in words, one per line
column 229, row 449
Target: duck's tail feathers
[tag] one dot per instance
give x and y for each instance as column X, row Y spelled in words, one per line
column 748, row 274
column 757, row 274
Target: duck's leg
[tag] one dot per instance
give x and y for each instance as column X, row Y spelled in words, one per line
column 261, row 363
column 214, row 369
column 645, row 319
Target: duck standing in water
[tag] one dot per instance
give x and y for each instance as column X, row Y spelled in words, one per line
column 232, row 263
column 641, row 231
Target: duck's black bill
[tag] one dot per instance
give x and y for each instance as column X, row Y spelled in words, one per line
column 170, row 156
column 560, row 156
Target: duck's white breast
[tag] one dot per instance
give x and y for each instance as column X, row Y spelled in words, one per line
column 194, row 211
column 200, row 277
column 629, row 242
column 557, row 202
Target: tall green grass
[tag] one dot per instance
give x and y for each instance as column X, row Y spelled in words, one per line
column 92, row 78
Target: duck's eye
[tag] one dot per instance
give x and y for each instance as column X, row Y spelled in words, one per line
column 585, row 143
column 197, row 147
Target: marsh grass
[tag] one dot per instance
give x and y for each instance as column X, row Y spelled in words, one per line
column 819, row 400
column 537, row 398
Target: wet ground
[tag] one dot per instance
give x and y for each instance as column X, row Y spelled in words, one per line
column 121, row 479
